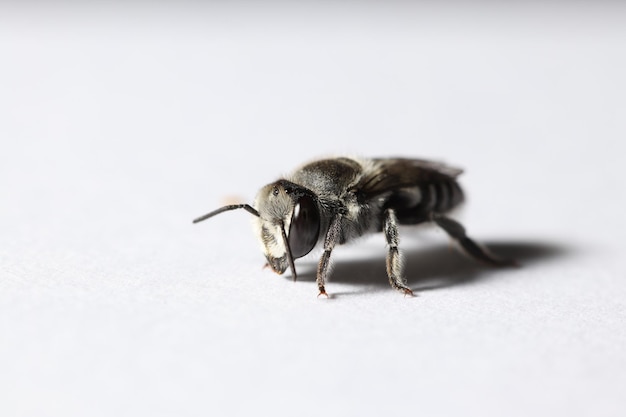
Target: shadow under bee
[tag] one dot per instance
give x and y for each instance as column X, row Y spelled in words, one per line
column 434, row 267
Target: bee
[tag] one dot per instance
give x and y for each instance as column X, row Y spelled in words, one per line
column 330, row 202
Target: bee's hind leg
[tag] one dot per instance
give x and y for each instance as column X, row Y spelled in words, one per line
column 473, row 249
column 394, row 261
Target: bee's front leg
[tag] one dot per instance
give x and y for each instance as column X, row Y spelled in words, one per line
column 332, row 237
column 394, row 261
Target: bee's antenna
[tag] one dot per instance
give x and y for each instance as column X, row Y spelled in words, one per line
column 246, row 207
column 289, row 256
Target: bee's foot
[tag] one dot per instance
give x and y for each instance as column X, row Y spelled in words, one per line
column 322, row 292
column 407, row 291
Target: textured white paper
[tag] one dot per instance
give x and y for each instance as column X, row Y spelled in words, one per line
column 121, row 124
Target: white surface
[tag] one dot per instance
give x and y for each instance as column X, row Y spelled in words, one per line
column 120, row 125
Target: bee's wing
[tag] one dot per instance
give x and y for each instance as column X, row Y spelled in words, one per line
column 389, row 174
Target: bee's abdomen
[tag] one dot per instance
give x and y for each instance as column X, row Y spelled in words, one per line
column 415, row 204
column 441, row 196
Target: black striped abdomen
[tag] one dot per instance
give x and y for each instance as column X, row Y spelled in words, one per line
column 414, row 204
column 441, row 196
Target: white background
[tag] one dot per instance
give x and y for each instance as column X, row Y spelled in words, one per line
column 120, row 124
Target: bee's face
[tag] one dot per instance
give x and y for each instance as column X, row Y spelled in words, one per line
column 288, row 224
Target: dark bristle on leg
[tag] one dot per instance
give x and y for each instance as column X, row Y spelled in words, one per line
column 457, row 232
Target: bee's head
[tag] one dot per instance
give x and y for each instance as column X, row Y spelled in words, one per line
column 287, row 220
column 288, row 224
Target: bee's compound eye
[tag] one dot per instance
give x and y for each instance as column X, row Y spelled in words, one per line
column 305, row 227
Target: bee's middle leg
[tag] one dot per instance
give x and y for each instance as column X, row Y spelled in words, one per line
column 394, row 260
